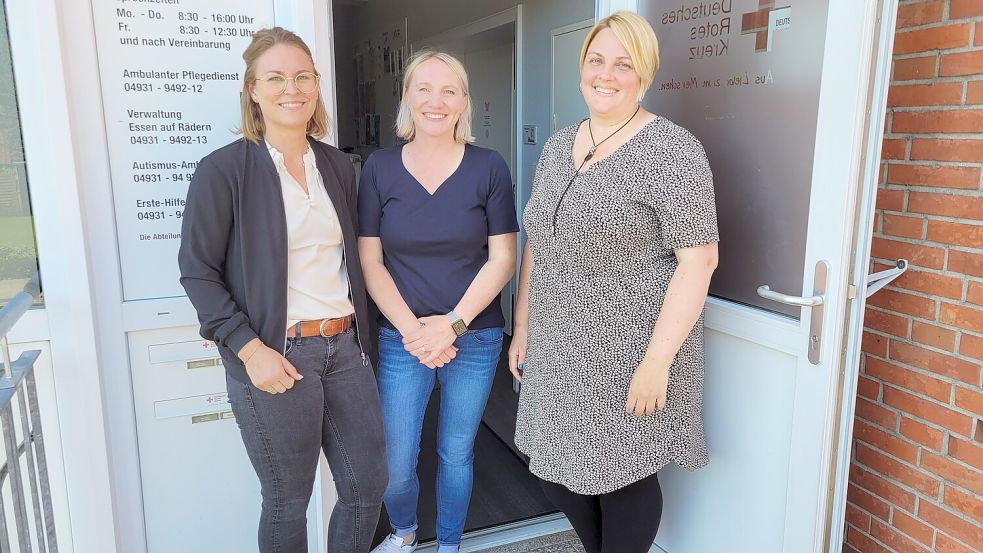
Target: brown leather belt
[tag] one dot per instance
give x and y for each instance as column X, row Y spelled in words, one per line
column 322, row 327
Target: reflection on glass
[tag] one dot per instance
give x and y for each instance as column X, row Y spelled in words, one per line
column 18, row 253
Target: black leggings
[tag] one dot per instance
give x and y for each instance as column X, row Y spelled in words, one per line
column 622, row 521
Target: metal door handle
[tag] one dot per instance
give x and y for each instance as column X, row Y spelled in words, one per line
column 810, row 301
column 815, row 302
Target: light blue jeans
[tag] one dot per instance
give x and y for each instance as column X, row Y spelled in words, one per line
column 404, row 387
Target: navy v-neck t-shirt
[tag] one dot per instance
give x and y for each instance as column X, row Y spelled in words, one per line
column 434, row 245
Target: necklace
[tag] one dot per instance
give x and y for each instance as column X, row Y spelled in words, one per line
column 590, row 154
column 594, row 145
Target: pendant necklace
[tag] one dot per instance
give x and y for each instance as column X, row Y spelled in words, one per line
column 590, row 154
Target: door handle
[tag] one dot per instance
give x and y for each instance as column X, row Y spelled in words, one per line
column 809, row 301
column 815, row 301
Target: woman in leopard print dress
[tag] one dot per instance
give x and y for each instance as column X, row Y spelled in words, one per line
column 622, row 241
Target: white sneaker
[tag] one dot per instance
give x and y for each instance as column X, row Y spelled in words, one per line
column 394, row 544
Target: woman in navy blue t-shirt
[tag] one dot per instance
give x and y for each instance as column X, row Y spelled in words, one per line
column 437, row 239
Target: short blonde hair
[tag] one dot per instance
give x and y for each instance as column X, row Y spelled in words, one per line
column 252, row 126
column 405, row 127
column 638, row 39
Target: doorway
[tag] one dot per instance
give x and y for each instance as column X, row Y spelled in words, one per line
column 373, row 40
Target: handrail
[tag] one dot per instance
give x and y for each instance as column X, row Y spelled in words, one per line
column 23, row 446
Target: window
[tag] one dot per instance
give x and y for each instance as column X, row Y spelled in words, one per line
column 18, row 252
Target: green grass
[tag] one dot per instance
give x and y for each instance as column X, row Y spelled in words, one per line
column 16, row 232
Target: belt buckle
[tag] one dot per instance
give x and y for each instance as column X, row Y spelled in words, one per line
column 320, row 327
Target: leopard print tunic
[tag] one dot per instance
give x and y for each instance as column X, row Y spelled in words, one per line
column 597, row 287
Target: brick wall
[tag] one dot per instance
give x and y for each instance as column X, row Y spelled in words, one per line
column 916, row 483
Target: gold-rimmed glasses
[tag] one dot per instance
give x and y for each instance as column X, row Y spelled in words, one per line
column 306, row 82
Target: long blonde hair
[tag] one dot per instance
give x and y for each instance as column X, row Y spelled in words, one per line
column 252, row 126
column 405, row 128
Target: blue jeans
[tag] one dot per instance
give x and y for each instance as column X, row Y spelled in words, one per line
column 404, row 388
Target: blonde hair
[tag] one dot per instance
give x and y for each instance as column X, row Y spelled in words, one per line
column 252, row 126
column 638, row 39
column 404, row 126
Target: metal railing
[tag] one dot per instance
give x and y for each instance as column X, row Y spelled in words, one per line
column 24, row 488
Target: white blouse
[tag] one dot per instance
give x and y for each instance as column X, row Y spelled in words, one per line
column 317, row 277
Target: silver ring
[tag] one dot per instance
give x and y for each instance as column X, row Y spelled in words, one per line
column 424, row 348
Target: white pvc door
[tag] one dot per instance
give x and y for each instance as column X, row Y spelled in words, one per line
column 566, row 103
column 777, row 431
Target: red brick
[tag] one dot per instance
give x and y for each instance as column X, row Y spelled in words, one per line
column 962, row 316
column 959, row 9
column 894, row 148
column 940, row 176
column 921, row 13
column 968, row 399
column 857, row 517
column 913, row 95
column 956, row 234
column 964, row 503
column 963, row 63
column 868, row 502
column 868, row 388
column 905, row 227
column 931, row 283
column 885, row 442
column 970, row 346
column 908, row 379
column 966, row 263
column 898, row 471
column 901, row 302
column 911, row 69
column 949, row 523
column 894, row 539
column 917, row 254
column 882, row 487
column 876, row 413
column 939, row 363
column 934, row 38
column 922, row 433
column 966, row 207
column 953, row 472
column 935, row 336
column 863, row 542
column 967, row 452
column 974, row 292
column 978, row 41
column 939, row 121
column 847, row 548
column 890, row 200
column 928, row 411
column 940, row 149
column 945, row 544
column 886, row 322
column 974, row 89
column 912, row 527
column 874, row 344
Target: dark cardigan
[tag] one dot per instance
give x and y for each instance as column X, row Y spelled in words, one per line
column 233, row 255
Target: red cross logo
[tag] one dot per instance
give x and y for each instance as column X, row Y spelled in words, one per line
column 764, row 22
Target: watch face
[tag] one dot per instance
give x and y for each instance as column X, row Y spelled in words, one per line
column 459, row 327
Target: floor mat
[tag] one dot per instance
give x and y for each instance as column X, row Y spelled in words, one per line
column 562, row 542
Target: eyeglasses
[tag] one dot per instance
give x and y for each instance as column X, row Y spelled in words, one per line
column 305, row 82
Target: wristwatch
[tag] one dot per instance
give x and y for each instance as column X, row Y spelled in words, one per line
column 457, row 323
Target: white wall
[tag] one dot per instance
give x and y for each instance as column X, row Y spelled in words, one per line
column 539, row 18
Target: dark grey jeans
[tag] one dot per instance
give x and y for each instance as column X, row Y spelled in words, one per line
column 335, row 407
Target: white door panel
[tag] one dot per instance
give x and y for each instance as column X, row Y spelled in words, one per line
column 567, row 105
column 773, row 418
